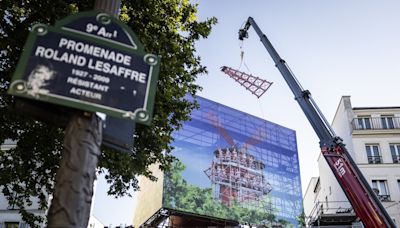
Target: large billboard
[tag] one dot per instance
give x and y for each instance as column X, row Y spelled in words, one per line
column 234, row 166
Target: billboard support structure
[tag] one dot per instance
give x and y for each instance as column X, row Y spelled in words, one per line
column 170, row 218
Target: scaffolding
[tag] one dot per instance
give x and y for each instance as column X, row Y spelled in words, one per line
column 237, row 176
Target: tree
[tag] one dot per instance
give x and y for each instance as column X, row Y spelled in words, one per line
column 284, row 223
column 168, row 28
column 301, row 219
column 180, row 195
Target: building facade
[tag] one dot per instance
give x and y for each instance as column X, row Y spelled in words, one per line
column 372, row 137
column 9, row 213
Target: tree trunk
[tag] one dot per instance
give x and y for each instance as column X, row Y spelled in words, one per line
column 111, row 7
column 70, row 206
column 72, row 198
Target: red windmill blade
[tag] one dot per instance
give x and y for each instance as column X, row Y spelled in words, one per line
column 255, row 85
column 222, row 131
column 253, row 140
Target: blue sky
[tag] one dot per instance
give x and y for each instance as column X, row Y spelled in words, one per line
column 334, row 48
column 200, row 162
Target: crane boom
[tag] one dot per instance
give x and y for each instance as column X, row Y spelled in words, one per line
column 361, row 196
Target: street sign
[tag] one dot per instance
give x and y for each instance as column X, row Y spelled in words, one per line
column 118, row 134
column 89, row 61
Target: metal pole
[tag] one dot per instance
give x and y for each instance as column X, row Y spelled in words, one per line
column 111, row 7
column 73, row 192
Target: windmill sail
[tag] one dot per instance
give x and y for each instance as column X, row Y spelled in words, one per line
column 255, row 85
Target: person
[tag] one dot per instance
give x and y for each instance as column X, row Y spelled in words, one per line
column 237, row 174
column 234, row 155
column 225, row 175
column 219, row 153
column 227, row 155
column 243, row 158
column 39, row 79
column 250, row 160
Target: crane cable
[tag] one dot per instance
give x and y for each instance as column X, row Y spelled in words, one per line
column 242, row 57
column 242, row 62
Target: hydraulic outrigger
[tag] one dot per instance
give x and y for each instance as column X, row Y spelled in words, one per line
column 364, row 201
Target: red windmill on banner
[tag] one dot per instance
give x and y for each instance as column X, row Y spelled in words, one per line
column 235, row 174
column 255, row 85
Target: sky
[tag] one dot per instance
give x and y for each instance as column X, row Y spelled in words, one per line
column 334, row 48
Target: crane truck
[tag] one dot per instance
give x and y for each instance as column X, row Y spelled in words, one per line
column 359, row 193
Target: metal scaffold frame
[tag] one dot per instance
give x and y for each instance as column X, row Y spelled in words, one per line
column 237, row 176
column 255, row 85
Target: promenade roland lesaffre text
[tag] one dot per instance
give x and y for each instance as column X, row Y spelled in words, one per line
column 103, row 66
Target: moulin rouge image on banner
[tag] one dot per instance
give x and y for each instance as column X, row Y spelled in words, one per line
column 88, row 63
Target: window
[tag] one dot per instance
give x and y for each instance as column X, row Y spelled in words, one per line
column 11, row 224
column 326, row 202
column 364, row 122
column 395, row 150
column 387, row 122
column 381, row 190
column 373, row 154
column 317, row 187
column 398, row 183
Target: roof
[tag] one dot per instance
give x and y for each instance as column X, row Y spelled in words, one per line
column 387, row 107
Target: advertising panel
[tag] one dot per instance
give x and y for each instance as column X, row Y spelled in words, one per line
column 235, row 166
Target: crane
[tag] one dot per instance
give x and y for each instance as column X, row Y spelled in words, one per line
column 361, row 196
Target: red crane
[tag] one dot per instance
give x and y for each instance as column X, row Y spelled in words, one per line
column 361, row 196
